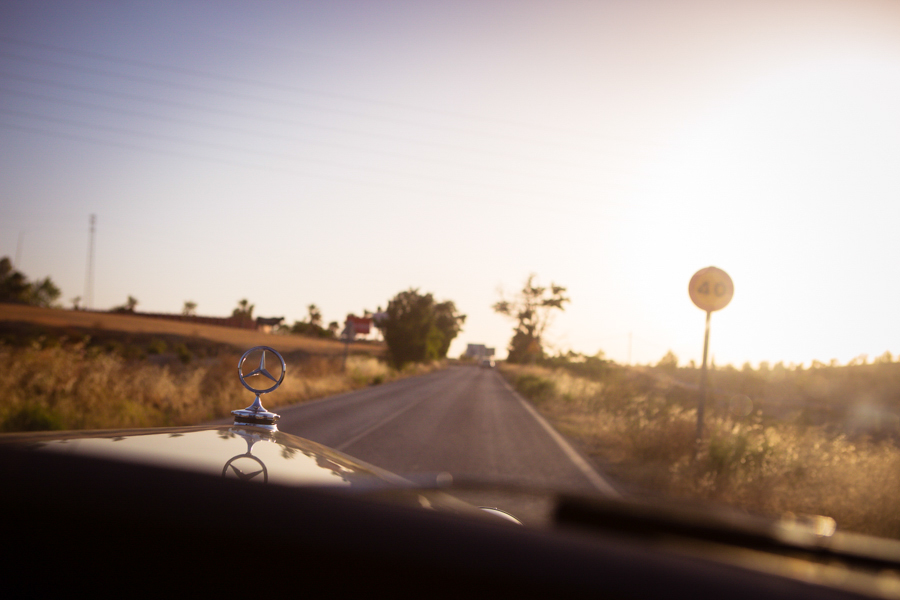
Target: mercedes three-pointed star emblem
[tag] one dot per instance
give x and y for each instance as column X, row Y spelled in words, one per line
column 250, row 474
column 261, row 371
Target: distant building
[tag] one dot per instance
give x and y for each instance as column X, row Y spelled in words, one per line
column 267, row 324
column 478, row 351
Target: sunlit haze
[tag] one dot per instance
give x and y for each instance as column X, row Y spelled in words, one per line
column 338, row 153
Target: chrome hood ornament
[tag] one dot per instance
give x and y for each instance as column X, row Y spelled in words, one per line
column 255, row 414
column 248, row 474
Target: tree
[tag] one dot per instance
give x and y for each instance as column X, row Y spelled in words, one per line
column 312, row 326
column 416, row 328
column 190, row 308
column 532, row 309
column 859, row 360
column 129, row 306
column 15, row 288
column 244, row 311
column 315, row 316
column 43, row 293
column 448, row 323
column 13, row 284
column 884, row 359
column 668, row 362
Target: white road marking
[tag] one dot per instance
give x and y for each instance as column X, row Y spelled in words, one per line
column 378, row 425
column 598, row 482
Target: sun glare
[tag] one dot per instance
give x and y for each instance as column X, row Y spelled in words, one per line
column 785, row 185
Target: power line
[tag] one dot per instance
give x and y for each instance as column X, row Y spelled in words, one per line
column 367, row 184
column 262, row 153
column 278, row 86
column 275, row 136
column 207, row 90
column 144, row 136
column 279, row 121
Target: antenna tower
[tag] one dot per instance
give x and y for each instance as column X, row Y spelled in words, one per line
column 89, row 279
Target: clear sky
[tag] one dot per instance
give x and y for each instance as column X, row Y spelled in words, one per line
column 339, row 152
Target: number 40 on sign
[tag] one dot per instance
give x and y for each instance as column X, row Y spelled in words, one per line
column 711, row 289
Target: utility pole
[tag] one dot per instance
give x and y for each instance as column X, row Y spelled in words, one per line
column 89, row 278
column 18, row 263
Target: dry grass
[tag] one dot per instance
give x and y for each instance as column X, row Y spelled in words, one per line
column 78, row 387
column 641, row 431
column 239, row 338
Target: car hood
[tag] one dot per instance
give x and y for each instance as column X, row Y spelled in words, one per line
column 72, row 484
column 246, row 453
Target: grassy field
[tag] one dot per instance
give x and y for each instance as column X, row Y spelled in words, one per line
column 95, row 322
column 84, row 370
column 72, row 386
column 769, row 451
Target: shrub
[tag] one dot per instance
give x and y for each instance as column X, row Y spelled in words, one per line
column 32, row 417
column 78, row 387
column 183, row 354
column 641, row 429
column 133, row 352
column 535, row 388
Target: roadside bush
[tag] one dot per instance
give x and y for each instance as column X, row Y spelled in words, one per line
column 133, row 352
column 112, row 347
column 641, row 430
column 535, row 388
column 183, row 354
column 78, row 387
column 32, row 417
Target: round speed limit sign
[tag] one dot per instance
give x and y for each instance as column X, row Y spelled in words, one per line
column 711, row 289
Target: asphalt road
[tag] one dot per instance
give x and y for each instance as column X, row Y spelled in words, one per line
column 464, row 421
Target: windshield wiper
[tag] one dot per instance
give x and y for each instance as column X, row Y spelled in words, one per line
column 811, row 538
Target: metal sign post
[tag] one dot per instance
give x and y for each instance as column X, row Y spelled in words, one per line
column 703, row 387
column 710, row 289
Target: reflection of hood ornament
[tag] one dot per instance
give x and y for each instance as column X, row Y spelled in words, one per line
column 249, row 472
column 256, row 414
